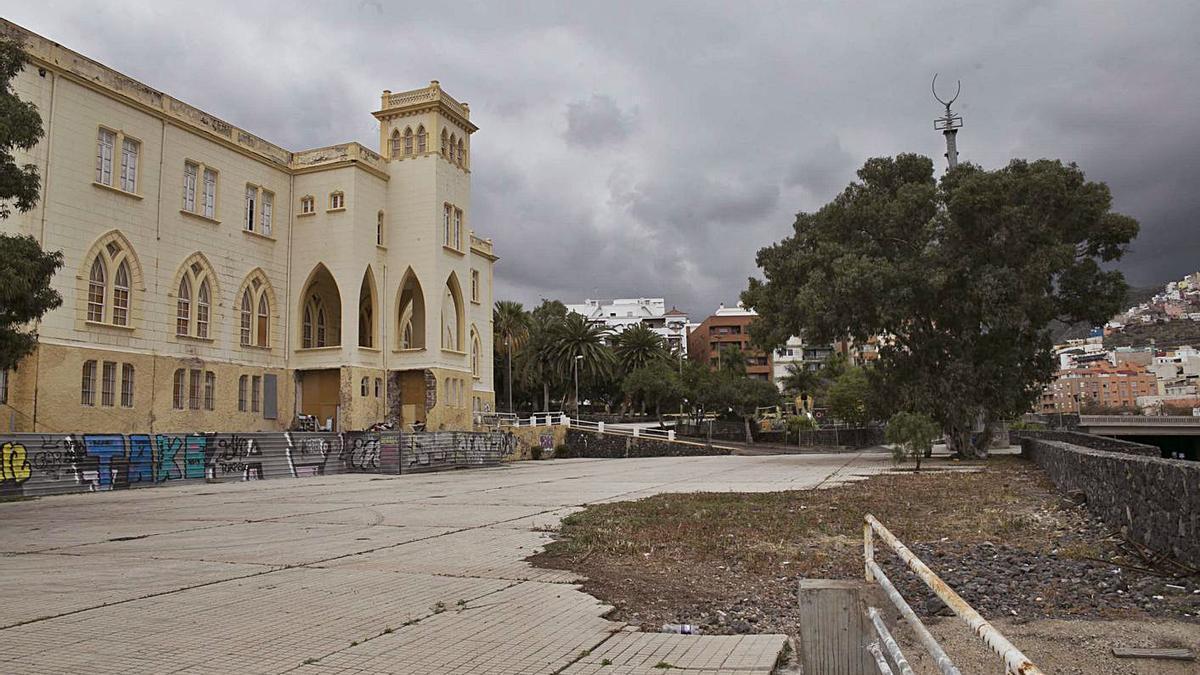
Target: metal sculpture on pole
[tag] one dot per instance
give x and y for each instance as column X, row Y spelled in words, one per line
column 948, row 124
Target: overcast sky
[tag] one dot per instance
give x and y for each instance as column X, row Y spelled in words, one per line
column 650, row 148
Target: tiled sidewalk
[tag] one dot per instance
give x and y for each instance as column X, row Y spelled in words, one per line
column 353, row 574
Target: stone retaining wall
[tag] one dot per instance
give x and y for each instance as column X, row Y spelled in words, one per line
column 1152, row 501
column 1087, row 441
column 611, row 446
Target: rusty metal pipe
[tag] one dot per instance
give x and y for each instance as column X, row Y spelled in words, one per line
column 1015, row 662
column 890, row 642
column 881, row 663
column 931, row 644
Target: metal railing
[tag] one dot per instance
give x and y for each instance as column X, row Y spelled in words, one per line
column 559, row 418
column 1015, row 662
column 1138, row 420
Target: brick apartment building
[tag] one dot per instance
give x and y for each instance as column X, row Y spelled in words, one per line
column 728, row 327
column 1100, row 386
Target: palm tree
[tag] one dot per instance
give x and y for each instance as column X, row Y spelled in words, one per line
column 574, row 336
column 510, row 325
column 639, row 346
column 799, row 381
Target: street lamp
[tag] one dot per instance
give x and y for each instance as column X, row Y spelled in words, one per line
column 578, row 358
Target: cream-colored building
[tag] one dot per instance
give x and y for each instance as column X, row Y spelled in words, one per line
column 215, row 281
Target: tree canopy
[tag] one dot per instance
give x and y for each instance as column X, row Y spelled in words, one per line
column 25, row 269
column 961, row 277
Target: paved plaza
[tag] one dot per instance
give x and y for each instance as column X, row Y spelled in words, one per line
column 354, row 573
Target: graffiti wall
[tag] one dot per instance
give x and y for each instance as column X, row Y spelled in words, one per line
column 39, row 464
column 437, row 450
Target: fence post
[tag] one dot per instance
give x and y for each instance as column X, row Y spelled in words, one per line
column 635, row 432
column 670, row 434
column 600, row 427
column 868, row 550
column 566, row 421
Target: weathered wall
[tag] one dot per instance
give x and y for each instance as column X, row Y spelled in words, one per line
column 40, row 464
column 611, row 446
column 546, row 439
column 1087, row 441
column 1152, row 501
column 438, row 450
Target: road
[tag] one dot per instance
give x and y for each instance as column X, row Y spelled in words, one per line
column 356, row 573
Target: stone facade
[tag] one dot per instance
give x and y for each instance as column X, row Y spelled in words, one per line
column 1152, row 501
column 214, row 280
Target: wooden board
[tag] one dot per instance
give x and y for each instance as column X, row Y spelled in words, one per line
column 1153, row 653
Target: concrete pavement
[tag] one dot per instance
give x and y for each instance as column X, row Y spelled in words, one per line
column 354, row 573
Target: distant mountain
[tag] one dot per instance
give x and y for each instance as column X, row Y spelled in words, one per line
column 1061, row 332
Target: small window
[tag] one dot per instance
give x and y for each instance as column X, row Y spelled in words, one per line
column 362, row 387
column 120, row 315
column 308, row 204
column 264, row 321
column 251, row 207
column 447, row 217
column 268, row 198
column 105, row 145
column 87, row 388
column 129, row 161
column 421, row 140
column 337, row 200
column 446, row 152
column 191, row 174
column 408, row 142
column 247, row 314
column 210, row 390
column 462, row 157
column 396, row 143
column 474, row 285
column 255, row 388
column 378, row 387
column 127, row 385
column 108, row 385
column 3, row 386
column 183, row 306
column 210, row 193
column 458, row 218
column 243, row 383
column 179, row 389
column 379, row 229
column 96, row 285
column 194, row 380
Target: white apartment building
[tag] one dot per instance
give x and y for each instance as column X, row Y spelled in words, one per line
column 621, row 313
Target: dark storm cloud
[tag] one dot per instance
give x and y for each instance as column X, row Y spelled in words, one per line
column 651, row 149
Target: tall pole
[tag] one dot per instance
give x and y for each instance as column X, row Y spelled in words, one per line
column 578, row 358
column 508, row 366
column 949, row 125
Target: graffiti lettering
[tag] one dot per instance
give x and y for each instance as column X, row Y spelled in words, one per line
column 49, row 463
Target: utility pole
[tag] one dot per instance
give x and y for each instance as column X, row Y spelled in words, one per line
column 948, row 124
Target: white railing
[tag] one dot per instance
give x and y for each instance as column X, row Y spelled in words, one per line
column 1015, row 662
column 1138, row 420
column 546, row 419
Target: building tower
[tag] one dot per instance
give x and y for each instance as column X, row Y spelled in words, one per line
column 948, row 124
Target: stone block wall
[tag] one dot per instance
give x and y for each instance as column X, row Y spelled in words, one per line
column 611, row 446
column 1152, row 501
column 1087, row 441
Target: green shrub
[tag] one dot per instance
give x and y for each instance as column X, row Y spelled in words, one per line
column 798, row 423
column 913, row 435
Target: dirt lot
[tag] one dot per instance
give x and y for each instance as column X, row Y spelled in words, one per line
column 1009, row 544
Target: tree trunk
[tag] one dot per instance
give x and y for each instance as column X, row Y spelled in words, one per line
column 749, row 435
column 546, row 396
